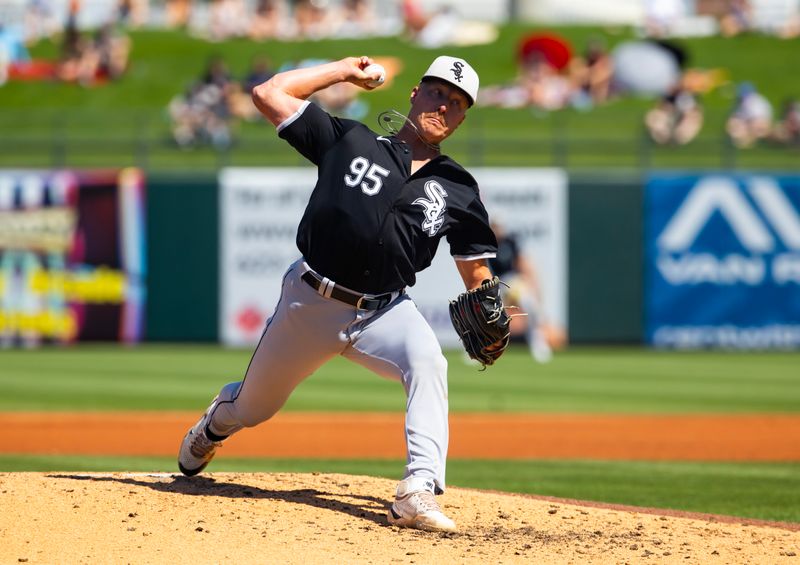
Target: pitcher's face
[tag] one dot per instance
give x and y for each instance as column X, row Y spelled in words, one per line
column 437, row 109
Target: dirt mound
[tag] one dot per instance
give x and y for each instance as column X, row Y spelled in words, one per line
column 313, row 518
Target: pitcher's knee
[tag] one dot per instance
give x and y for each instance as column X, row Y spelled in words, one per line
column 229, row 392
column 431, row 366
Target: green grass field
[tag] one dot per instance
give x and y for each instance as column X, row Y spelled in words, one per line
column 580, row 380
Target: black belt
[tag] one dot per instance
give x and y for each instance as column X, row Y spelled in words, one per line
column 360, row 301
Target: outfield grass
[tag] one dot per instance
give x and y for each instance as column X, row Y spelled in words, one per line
column 750, row 490
column 580, row 380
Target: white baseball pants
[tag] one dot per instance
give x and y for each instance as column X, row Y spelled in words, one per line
column 308, row 329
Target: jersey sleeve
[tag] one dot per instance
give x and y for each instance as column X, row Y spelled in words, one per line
column 472, row 237
column 312, row 131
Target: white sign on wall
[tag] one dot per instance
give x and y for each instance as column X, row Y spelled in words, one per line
column 259, row 213
column 260, row 210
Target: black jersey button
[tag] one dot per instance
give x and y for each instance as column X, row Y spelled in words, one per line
column 366, row 273
column 380, row 242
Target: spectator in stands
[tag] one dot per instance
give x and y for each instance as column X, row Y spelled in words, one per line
column 357, row 19
column 538, row 85
column 430, row 29
column 738, row 17
column 178, row 12
column 216, row 72
column 414, row 17
column 228, row 18
column 201, row 116
column 78, row 61
column 592, row 73
column 662, row 16
column 40, row 21
column 89, row 61
column 260, row 71
column 268, row 20
column 111, row 49
column 12, row 42
column 314, row 19
column 676, row 119
column 205, row 112
column 787, row 128
column 751, row 118
column 132, row 13
column 239, row 96
column 5, row 59
column 546, row 87
column 182, row 118
column 71, row 45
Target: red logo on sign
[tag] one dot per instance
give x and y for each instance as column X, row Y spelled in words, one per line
column 249, row 319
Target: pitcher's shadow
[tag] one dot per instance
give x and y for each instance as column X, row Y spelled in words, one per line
column 362, row 507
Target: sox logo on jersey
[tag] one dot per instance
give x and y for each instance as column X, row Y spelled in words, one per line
column 434, row 207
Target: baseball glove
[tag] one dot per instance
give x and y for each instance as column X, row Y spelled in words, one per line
column 480, row 319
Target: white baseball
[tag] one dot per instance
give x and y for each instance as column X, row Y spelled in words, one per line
column 375, row 69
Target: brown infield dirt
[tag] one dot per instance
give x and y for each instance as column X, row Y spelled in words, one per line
column 67, row 517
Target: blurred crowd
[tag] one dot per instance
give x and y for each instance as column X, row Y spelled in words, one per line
column 91, row 58
column 551, row 73
column 85, row 57
column 95, row 46
column 288, row 20
column 677, row 118
column 551, row 77
column 680, row 18
column 282, row 19
column 212, row 107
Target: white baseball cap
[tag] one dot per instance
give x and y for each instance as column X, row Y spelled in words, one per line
column 457, row 72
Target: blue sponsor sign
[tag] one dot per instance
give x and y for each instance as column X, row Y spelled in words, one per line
column 722, row 261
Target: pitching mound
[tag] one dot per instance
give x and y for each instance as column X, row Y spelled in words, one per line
column 303, row 518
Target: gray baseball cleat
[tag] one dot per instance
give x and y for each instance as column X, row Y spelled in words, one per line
column 197, row 450
column 415, row 506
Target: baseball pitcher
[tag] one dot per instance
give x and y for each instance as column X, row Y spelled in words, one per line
column 381, row 205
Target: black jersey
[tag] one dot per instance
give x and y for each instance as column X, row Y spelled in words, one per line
column 370, row 224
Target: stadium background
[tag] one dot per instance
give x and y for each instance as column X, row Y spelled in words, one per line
column 604, row 370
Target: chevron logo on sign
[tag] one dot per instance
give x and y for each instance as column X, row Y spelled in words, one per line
column 764, row 228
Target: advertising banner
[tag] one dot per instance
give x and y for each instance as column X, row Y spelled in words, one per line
column 260, row 210
column 72, row 256
column 723, row 261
